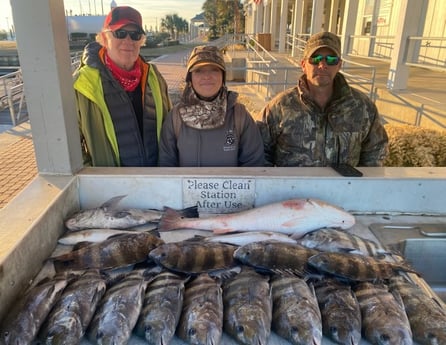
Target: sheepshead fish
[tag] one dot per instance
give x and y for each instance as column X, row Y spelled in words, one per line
column 117, row 251
column 384, row 320
column 242, row 238
column 275, row 256
column 426, row 316
column 335, row 240
column 201, row 321
column 109, row 216
column 70, row 316
column 26, row 317
column 118, row 311
column 296, row 216
column 194, row 257
column 356, row 267
column 161, row 310
column 248, row 307
column 341, row 315
column 296, row 315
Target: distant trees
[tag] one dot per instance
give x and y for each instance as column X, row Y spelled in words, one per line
column 223, row 17
column 3, row 35
column 175, row 25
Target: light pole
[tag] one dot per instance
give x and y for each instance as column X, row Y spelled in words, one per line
column 8, row 28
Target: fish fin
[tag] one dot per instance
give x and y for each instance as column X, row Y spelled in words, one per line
column 169, row 220
column 223, row 231
column 288, row 272
column 80, row 245
column 189, row 212
column 113, row 202
column 349, row 250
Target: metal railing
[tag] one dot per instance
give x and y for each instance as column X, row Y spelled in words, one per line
column 426, row 52
column 12, row 95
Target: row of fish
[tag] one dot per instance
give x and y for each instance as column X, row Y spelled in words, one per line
column 295, row 216
column 340, row 308
column 248, row 306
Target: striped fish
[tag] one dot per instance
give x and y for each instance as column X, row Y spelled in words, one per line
column 296, row 316
column 117, row 251
column 27, row 315
column 194, row 257
column 161, row 311
column 356, row 267
column 427, row 317
column 341, row 315
column 248, row 307
column 275, row 256
column 334, row 240
column 71, row 315
column 201, row 321
column 384, row 320
column 118, row 311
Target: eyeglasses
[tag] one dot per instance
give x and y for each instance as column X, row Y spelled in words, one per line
column 329, row 59
column 121, row 34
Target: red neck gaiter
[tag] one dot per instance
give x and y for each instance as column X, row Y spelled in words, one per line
column 129, row 80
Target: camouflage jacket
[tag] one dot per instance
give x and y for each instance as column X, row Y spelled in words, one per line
column 296, row 132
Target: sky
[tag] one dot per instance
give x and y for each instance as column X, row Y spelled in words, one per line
column 152, row 11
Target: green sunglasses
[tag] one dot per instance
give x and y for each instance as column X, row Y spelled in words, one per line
column 329, row 59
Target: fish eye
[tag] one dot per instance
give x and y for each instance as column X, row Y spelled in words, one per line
column 333, row 330
column 240, row 329
column 384, row 337
column 192, row 332
column 295, row 330
column 431, row 336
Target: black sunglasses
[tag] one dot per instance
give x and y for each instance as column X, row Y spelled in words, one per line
column 329, row 59
column 121, row 34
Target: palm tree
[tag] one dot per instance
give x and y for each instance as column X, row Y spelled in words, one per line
column 174, row 25
column 223, row 16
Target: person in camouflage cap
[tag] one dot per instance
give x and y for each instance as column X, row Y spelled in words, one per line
column 322, row 121
column 208, row 126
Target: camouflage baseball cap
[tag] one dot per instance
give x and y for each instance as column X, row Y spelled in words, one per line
column 205, row 55
column 321, row 40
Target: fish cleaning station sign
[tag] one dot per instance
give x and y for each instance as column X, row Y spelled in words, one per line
column 212, row 195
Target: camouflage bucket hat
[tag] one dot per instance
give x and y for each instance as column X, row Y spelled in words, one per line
column 322, row 40
column 205, row 55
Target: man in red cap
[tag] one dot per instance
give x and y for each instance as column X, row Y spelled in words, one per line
column 121, row 99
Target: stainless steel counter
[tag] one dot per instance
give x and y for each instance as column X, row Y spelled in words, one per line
column 31, row 224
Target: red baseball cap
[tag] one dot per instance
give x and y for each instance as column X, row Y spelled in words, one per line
column 121, row 16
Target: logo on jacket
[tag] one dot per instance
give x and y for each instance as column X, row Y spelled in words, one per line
column 230, row 141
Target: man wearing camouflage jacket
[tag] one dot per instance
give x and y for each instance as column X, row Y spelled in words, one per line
column 322, row 121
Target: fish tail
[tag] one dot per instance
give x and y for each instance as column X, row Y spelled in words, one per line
column 170, row 219
column 189, row 212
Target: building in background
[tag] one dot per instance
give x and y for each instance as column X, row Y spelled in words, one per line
column 405, row 32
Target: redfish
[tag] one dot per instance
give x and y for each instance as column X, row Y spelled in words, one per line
column 295, row 216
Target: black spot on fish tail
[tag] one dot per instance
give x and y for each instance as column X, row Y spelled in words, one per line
column 189, row 212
